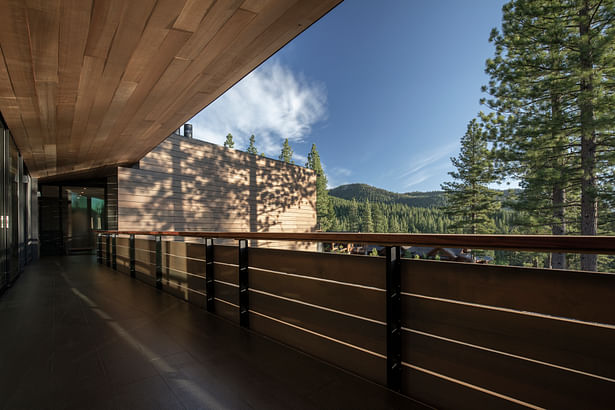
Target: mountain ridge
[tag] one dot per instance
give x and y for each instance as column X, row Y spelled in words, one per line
column 361, row 192
column 418, row 199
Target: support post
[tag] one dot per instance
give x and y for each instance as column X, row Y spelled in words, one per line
column 131, row 253
column 393, row 293
column 114, row 251
column 158, row 262
column 244, row 305
column 99, row 248
column 209, row 274
column 108, row 248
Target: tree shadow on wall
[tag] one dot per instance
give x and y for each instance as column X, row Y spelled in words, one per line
column 188, row 185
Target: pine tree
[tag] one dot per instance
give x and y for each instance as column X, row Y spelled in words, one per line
column 287, row 153
column 595, row 68
column 468, row 197
column 529, row 83
column 229, row 141
column 552, row 85
column 252, row 148
column 380, row 223
column 322, row 195
column 367, row 224
column 353, row 216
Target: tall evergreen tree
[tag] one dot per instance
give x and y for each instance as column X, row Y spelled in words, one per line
column 594, row 38
column 353, row 216
column 468, row 197
column 552, row 83
column 530, row 84
column 229, row 143
column 380, row 223
column 367, row 223
column 287, row 153
column 322, row 195
column 252, row 147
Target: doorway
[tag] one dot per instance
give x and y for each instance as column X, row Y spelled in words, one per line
column 69, row 214
column 84, row 214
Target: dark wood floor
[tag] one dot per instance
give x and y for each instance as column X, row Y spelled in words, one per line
column 74, row 334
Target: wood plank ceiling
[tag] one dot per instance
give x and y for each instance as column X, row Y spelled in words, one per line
column 89, row 83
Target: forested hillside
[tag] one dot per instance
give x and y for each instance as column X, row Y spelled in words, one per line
column 361, row 192
column 364, row 208
column 355, row 205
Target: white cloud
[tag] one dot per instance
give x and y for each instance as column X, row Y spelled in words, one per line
column 272, row 103
column 429, row 166
column 341, row 171
column 429, row 161
column 336, row 176
column 418, row 179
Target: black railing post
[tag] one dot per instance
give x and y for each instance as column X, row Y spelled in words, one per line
column 131, row 254
column 244, row 302
column 393, row 292
column 158, row 262
column 209, row 274
column 108, row 247
column 114, row 251
column 99, row 248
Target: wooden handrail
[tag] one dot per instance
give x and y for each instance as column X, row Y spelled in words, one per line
column 529, row 243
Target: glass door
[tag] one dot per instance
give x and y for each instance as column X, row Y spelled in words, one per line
column 84, row 214
column 13, row 212
column 3, row 210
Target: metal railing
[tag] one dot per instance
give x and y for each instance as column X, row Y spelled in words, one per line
column 416, row 326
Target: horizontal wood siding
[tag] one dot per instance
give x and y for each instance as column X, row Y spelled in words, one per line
column 191, row 185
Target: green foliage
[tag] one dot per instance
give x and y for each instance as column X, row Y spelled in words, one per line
column 362, row 192
column 229, row 141
column 323, row 209
column 380, row 222
column 287, row 153
column 353, row 223
column 374, row 252
column 468, row 197
column 348, row 216
column 552, row 89
column 252, row 147
column 367, row 224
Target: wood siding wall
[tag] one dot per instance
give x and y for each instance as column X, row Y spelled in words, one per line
column 191, row 185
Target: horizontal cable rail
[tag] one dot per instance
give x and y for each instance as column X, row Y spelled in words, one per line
column 529, row 243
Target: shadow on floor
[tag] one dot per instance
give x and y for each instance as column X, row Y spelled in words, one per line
column 75, row 334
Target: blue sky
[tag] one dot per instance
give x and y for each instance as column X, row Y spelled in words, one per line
column 384, row 89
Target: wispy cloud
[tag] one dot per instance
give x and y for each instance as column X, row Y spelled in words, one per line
column 336, row 176
column 426, row 167
column 272, row 102
column 341, row 171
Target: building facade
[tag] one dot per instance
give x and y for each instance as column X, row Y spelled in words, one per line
column 181, row 185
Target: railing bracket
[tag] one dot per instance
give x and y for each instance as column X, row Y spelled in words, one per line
column 393, row 293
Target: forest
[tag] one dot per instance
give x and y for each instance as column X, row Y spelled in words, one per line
column 548, row 124
column 363, row 208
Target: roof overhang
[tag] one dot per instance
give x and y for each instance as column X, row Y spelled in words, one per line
column 86, row 84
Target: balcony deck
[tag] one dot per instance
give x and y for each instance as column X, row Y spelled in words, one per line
column 76, row 334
